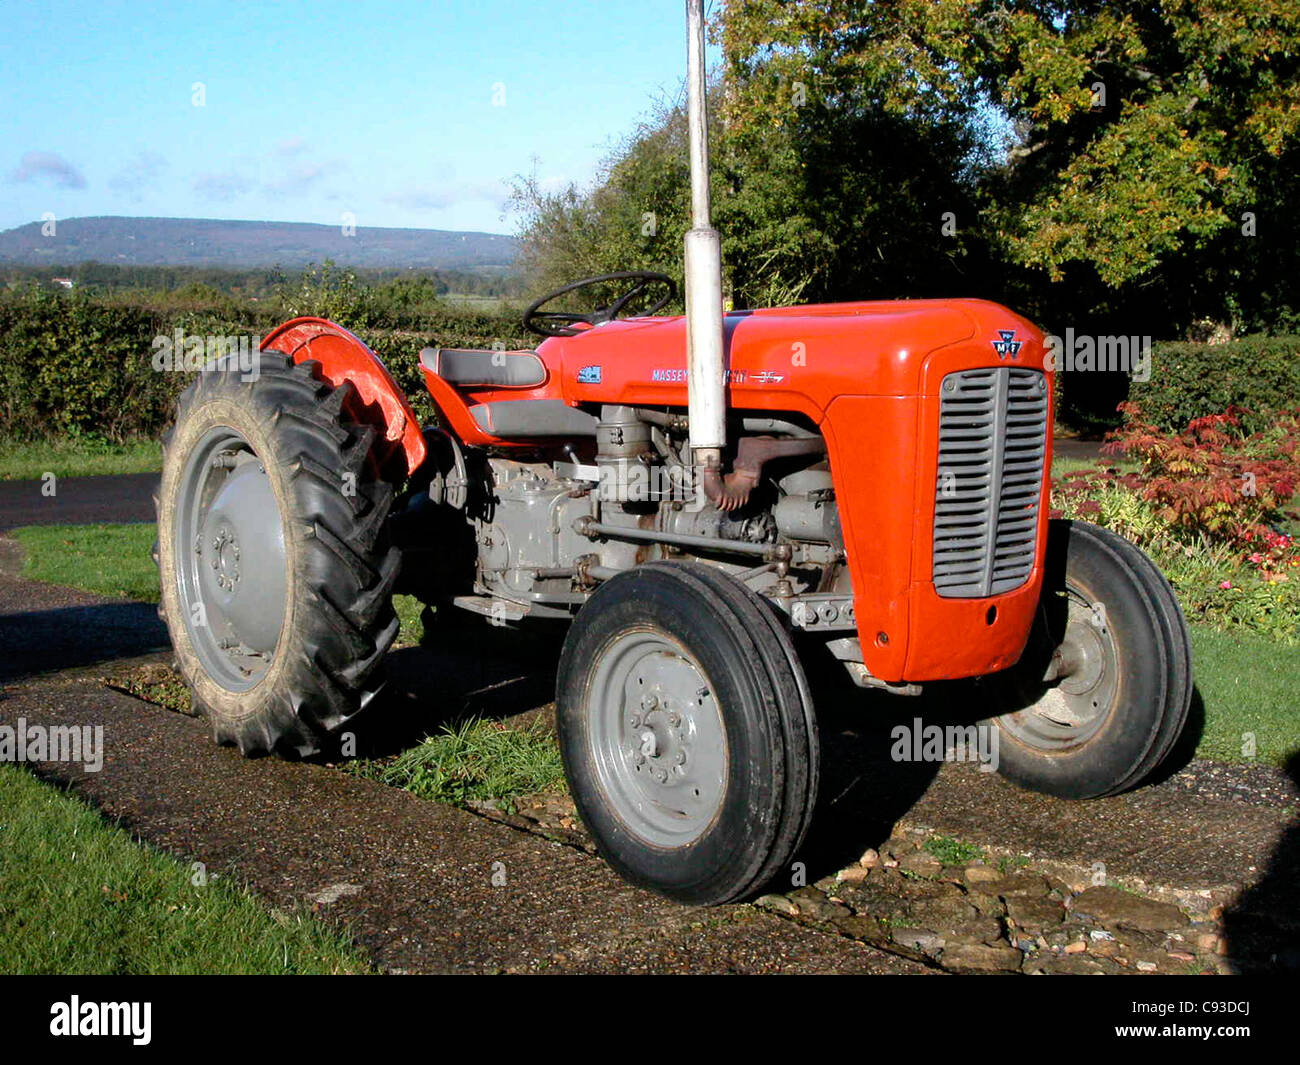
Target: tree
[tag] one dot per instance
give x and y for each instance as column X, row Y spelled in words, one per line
column 824, row 206
column 1116, row 166
column 1140, row 140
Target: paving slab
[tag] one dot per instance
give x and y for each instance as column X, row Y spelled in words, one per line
column 1200, row 851
column 425, row 888
column 45, row 627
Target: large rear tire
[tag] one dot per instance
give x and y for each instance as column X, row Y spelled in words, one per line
column 687, row 732
column 1103, row 689
column 275, row 566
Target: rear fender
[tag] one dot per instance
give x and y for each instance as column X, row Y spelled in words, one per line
column 378, row 401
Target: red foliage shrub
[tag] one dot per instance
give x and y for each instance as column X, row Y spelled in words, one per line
column 1213, row 477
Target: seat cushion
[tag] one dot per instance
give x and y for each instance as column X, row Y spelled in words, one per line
column 479, row 368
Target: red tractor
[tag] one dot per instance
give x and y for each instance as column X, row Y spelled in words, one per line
column 686, row 492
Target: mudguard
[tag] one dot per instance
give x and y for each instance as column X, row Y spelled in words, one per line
column 378, row 401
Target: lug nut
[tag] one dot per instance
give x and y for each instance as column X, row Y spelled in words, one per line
column 648, row 702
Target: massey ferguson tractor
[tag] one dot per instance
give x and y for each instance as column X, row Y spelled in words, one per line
column 689, row 494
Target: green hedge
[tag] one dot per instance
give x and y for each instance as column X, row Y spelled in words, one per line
column 1257, row 373
column 72, row 365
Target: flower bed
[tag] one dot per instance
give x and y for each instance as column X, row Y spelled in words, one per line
column 1211, row 505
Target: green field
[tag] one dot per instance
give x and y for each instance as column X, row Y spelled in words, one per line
column 1248, row 683
column 77, row 458
column 78, row 895
column 112, row 560
column 115, row 560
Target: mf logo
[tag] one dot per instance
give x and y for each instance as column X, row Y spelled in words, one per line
column 1007, row 347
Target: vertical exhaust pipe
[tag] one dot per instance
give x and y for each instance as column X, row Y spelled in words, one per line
column 704, row 348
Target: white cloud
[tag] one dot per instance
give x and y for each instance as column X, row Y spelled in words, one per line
column 49, row 167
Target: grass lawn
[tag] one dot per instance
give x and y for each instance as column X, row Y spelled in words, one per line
column 77, row 458
column 1248, row 683
column 78, row 895
column 476, row 759
column 106, row 559
column 115, row 560
column 1062, row 466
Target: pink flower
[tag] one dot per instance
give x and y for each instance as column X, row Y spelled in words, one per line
column 1225, row 584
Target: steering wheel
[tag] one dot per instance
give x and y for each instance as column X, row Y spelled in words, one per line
column 564, row 323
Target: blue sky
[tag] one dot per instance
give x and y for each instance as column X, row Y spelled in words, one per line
column 400, row 113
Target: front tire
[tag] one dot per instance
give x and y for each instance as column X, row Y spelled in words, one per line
column 1103, row 689
column 687, row 732
column 275, row 568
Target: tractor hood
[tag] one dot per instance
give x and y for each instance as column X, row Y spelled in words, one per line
column 790, row 358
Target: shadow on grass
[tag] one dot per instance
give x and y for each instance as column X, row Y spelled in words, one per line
column 464, row 668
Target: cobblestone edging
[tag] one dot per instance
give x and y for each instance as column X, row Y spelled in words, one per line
column 969, row 916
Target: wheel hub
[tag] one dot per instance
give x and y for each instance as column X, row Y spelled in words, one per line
column 658, row 739
column 1081, row 681
column 234, row 585
column 225, row 557
column 660, row 743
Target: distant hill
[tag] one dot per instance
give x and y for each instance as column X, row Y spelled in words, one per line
column 213, row 242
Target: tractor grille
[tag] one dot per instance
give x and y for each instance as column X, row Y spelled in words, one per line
column 992, row 445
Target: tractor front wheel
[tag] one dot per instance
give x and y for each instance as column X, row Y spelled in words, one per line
column 687, row 732
column 275, row 568
column 1102, row 692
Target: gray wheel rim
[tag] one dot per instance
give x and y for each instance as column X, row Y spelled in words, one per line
column 230, row 559
column 657, row 738
column 1079, row 697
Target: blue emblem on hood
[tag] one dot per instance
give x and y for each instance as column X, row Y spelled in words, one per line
column 1008, row 347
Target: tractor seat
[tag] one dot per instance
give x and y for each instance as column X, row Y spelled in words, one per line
column 476, row 368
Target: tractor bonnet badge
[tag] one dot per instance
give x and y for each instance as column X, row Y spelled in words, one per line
column 589, row 375
column 1008, row 347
